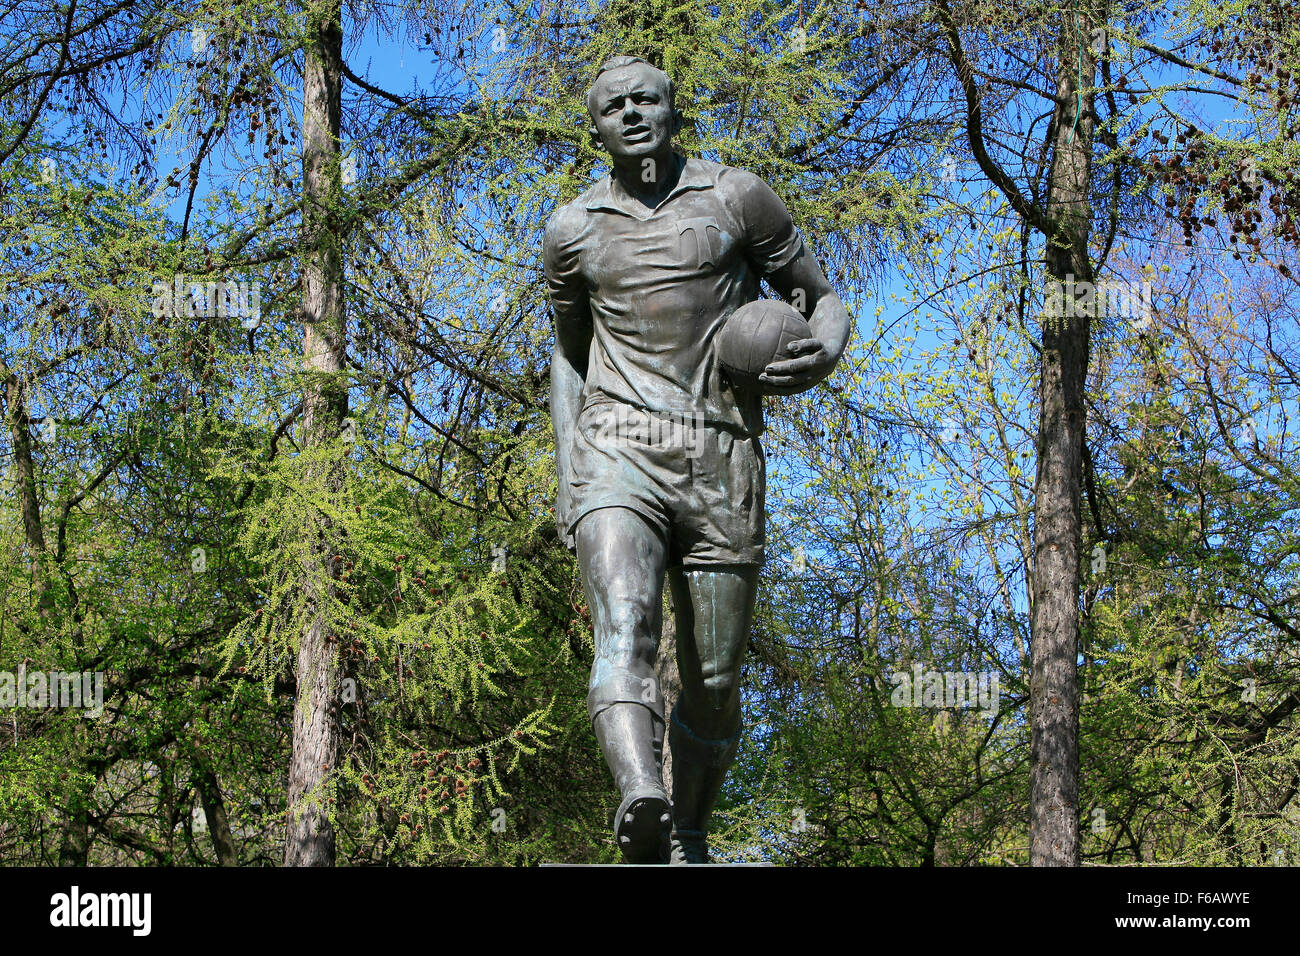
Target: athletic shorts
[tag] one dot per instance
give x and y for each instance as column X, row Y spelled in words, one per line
column 700, row 484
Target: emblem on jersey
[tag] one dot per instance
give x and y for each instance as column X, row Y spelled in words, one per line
column 699, row 227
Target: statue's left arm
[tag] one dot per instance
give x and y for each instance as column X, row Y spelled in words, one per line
column 811, row 360
column 778, row 253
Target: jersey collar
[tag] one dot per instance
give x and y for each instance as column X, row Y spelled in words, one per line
column 609, row 196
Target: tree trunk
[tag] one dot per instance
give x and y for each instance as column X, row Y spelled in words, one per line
column 309, row 840
column 74, row 837
column 1054, row 682
column 669, row 678
column 29, row 504
column 74, row 834
column 214, row 812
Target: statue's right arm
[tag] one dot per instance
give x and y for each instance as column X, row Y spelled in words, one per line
column 571, row 309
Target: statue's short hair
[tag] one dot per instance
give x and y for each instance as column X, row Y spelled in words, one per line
column 620, row 60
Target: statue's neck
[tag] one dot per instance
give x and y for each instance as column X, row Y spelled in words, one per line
column 649, row 184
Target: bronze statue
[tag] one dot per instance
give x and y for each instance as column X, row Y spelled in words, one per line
column 643, row 269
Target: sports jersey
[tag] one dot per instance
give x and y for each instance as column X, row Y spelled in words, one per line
column 660, row 282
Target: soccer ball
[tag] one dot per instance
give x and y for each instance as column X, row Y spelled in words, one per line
column 754, row 336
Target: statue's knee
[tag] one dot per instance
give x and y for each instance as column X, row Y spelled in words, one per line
column 712, row 707
column 629, row 619
column 720, row 689
column 627, row 636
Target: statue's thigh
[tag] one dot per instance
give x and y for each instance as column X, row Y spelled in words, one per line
column 622, row 555
column 714, row 609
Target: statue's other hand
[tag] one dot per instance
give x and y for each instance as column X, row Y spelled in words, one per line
column 563, row 508
column 808, row 364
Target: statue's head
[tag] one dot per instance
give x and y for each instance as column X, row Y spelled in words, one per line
column 632, row 108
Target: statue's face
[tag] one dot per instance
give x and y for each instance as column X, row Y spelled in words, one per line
column 631, row 111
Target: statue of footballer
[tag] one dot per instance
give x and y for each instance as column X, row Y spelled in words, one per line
column 654, row 275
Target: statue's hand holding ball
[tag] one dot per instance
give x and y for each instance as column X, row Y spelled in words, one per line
column 768, row 346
